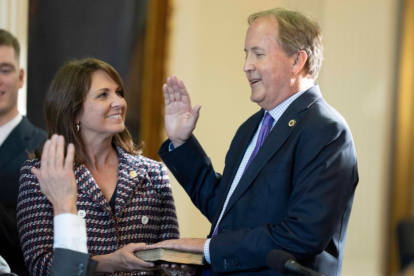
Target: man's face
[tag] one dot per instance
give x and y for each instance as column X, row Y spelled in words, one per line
column 11, row 80
column 268, row 68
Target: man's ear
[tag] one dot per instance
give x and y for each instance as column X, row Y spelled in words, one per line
column 21, row 78
column 300, row 60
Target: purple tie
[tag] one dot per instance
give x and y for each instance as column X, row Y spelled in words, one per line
column 264, row 132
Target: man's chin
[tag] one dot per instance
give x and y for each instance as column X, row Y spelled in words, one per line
column 254, row 98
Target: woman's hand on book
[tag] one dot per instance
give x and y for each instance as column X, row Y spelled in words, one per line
column 124, row 260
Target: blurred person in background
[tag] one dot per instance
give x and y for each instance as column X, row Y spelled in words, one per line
column 17, row 137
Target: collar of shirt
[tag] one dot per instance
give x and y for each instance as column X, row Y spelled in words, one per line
column 278, row 111
column 8, row 127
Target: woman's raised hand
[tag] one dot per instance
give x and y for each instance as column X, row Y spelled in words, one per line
column 56, row 177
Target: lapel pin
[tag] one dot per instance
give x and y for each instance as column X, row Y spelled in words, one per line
column 292, row 122
column 132, row 174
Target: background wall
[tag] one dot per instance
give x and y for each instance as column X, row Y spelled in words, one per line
column 357, row 78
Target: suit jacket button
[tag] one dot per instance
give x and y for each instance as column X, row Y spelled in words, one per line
column 80, row 269
column 144, row 220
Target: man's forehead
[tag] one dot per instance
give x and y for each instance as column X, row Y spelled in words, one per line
column 262, row 30
column 8, row 54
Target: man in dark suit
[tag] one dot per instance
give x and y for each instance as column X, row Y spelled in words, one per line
column 17, row 137
column 69, row 230
column 290, row 189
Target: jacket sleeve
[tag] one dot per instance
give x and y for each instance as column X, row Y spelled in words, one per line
column 35, row 222
column 68, row 262
column 193, row 170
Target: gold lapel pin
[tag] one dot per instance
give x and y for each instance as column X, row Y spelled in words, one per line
column 292, row 122
column 132, row 174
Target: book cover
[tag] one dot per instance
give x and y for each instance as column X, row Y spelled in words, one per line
column 171, row 256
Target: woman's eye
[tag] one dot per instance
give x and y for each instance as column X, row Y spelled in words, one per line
column 119, row 93
column 102, row 95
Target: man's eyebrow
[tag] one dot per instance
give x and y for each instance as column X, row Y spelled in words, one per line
column 255, row 48
column 6, row 64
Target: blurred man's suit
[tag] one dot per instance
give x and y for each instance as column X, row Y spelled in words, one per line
column 295, row 196
column 65, row 263
column 72, row 263
column 13, row 152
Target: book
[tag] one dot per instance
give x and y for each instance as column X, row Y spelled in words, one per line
column 171, row 256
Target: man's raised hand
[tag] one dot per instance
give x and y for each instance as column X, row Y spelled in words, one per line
column 56, row 176
column 180, row 117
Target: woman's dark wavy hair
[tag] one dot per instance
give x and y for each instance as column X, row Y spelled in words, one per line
column 64, row 102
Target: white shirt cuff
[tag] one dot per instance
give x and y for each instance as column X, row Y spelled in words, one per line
column 207, row 250
column 70, row 232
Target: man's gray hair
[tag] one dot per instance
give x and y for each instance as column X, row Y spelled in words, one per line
column 297, row 32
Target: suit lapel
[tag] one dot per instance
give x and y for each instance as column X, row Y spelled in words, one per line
column 240, row 146
column 129, row 176
column 277, row 137
column 236, row 152
column 15, row 142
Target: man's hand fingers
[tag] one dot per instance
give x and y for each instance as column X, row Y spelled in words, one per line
column 70, row 157
column 51, row 155
column 177, row 94
column 60, row 152
column 45, row 154
column 166, row 94
column 196, row 114
column 185, row 97
column 172, row 244
column 171, row 93
column 170, row 89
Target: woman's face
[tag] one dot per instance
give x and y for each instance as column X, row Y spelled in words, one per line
column 104, row 109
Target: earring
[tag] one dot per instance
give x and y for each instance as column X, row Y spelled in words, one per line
column 77, row 127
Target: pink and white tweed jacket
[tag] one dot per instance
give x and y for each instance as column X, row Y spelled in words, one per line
column 144, row 211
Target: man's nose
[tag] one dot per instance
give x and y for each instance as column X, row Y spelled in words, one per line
column 248, row 65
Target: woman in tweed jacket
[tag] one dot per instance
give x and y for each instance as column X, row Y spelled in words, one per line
column 125, row 198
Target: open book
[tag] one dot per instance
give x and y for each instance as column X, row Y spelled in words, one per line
column 171, row 256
